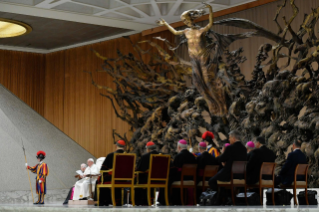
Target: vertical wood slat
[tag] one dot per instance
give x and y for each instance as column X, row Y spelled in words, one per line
column 23, row 74
column 74, row 105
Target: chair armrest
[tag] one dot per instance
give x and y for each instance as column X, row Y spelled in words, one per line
column 93, row 175
column 138, row 174
column 104, row 171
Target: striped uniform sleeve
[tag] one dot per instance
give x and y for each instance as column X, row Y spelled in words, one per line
column 33, row 168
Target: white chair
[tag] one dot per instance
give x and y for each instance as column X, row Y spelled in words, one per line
column 99, row 162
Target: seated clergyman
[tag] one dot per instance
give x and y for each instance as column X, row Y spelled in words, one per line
column 71, row 192
column 105, row 198
column 82, row 187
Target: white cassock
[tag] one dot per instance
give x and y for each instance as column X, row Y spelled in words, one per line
column 81, row 188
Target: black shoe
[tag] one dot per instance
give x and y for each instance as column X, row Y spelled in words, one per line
column 41, row 203
column 35, row 203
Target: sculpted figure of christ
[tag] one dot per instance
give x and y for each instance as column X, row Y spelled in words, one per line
column 204, row 67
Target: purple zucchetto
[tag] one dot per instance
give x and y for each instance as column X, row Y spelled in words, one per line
column 250, row 144
column 183, row 142
column 202, row 144
column 226, row 145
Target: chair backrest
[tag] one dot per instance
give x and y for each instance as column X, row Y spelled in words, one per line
column 159, row 168
column 123, row 167
column 239, row 168
column 189, row 170
column 267, row 169
column 210, row 171
column 301, row 169
column 99, row 162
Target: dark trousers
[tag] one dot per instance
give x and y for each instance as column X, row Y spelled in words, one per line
column 105, row 194
column 220, row 176
column 141, row 193
column 174, row 175
column 175, row 197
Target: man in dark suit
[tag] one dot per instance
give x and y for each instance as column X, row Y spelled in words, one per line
column 183, row 157
column 235, row 152
column 105, row 193
column 204, row 158
column 257, row 157
column 286, row 175
column 143, row 165
column 250, row 146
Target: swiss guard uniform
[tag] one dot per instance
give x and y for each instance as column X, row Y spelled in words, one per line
column 42, row 172
column 208, row 137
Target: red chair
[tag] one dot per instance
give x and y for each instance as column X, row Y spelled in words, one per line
column 187, row 170
column 122, row 176
column 301, row 169
column 157, row 176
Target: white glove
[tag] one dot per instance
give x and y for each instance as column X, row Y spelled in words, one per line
column 40, row 181
column 26, row 165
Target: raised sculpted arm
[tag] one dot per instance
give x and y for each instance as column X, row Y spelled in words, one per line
column 162, row 22
column 211, row 17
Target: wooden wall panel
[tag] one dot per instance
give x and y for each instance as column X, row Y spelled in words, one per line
column 74, row 105
column 23, row 74
column 54, row 87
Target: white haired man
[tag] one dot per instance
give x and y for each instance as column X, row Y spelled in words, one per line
column 81, row 188
column 71, row 192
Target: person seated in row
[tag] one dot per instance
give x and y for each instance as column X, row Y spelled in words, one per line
column 224, row 147
column 235, row 152
column 250, row 146
column 82, row 188
column 287, row 173
column 143, row 165
column 183, row 157
column 105, row 193
column 211, row 147
column 71, row 192
column 257, row 157
column 203, row 160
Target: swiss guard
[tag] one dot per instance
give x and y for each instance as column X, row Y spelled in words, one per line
column 42, row 171
column 211, row 148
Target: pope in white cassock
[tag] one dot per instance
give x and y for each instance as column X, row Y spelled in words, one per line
column 81, row 187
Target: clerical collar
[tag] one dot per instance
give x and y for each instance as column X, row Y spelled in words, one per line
column 296, row 149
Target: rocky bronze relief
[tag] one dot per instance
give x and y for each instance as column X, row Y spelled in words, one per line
column 277, row 103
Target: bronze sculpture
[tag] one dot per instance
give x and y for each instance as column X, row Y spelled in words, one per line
column 160, row 107
column 205, row 68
